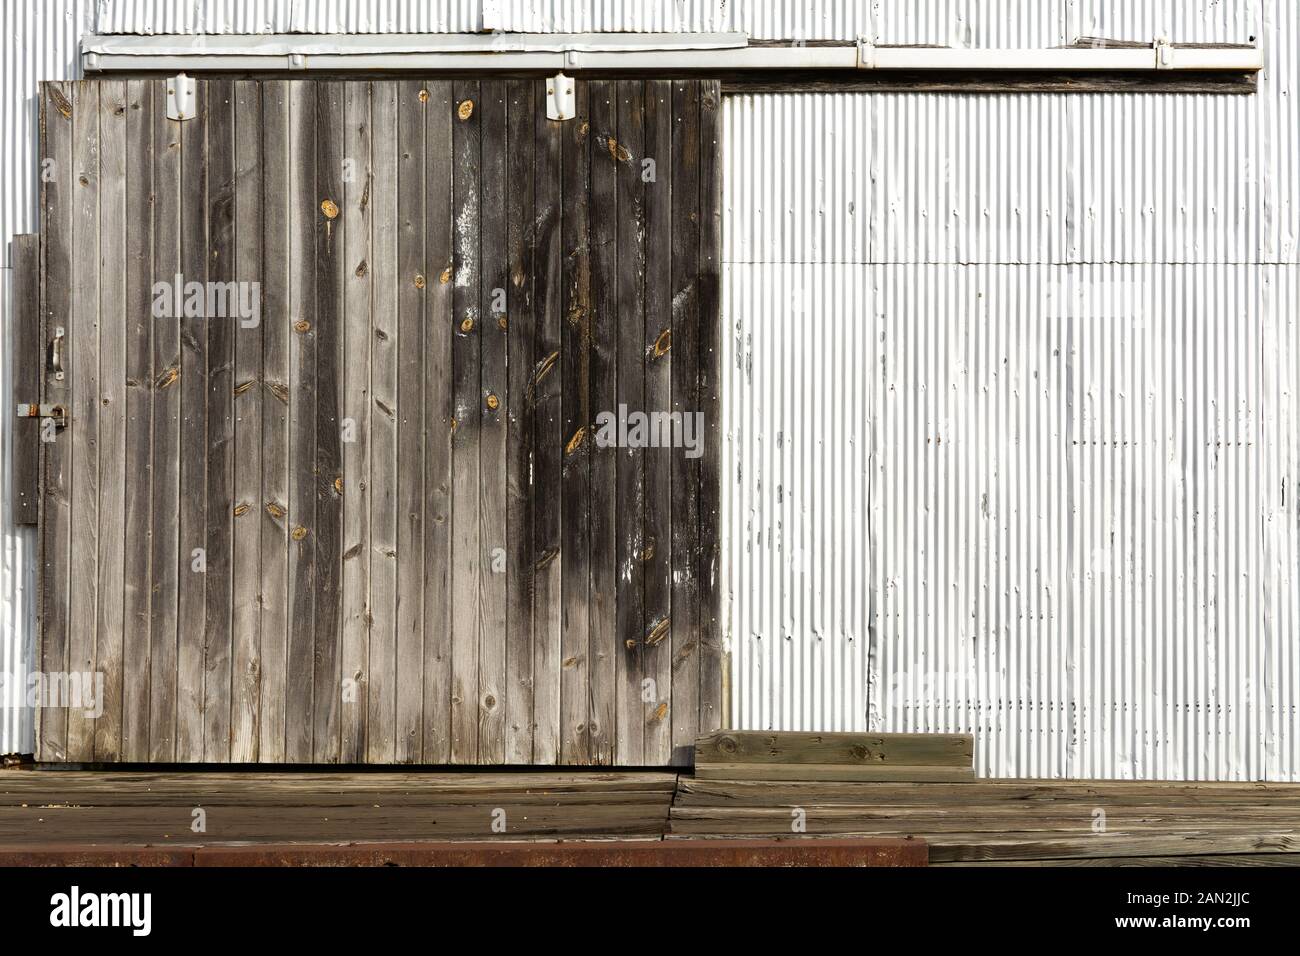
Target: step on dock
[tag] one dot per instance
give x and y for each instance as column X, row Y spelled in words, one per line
column 792, row 756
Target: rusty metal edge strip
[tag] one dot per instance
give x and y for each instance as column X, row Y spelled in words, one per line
column 616, row 853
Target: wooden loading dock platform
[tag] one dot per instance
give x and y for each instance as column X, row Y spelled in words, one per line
column 753, row 799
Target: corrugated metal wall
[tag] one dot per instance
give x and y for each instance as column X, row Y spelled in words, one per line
column 289, row 16
column 1010, row 415
column 1011, row 444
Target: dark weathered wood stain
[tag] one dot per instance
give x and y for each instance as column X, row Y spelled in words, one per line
column 26, row 324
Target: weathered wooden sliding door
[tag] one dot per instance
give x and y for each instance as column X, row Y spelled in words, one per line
column 358, row 465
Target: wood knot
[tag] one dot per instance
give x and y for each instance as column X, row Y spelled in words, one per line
column 419, row 281
column 328, row 207
column 543, row 368
column 465, row 110
column 493, row 402
column 298, row 533
column 167, row 378
column 424, row 96
column 657, row 633
column 467, row 325
column 60, row 101
column 663, row 343
column 618, row 151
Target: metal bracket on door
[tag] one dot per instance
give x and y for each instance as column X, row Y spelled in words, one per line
column 180, row 97
column 560, row 99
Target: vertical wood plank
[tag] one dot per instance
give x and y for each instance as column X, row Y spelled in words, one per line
column 657, row 346
column 83, row 350
column 713, row 704
column 303, row 215
column 357, row 338
column 111, row 400
column 57, row 190
column 165, row 399
column 685, row 469
column 247, row 400
column 438, row 413
column 548, row 442
column 27, row 364
column 520, row 120
column 382, row 662
column 273, row 507
column 192, row 588
column 575, row 503
column 411, row 283
column 627, row 152
column 330, row 215
column 604, row 649
column 138, row 322
column 222, row 321
column 466, row 398
column 492, row 424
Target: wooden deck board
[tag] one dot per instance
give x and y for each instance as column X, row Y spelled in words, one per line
column 1005, row 820
column 984, row 822
column 145, row 808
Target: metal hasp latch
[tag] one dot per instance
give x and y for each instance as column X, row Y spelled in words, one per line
column 560, row 103
column 56, row 413
column 180, row 97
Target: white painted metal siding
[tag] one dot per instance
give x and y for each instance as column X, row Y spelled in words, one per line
column 1009, row 419
column 1011, row 443
column 288, row 16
